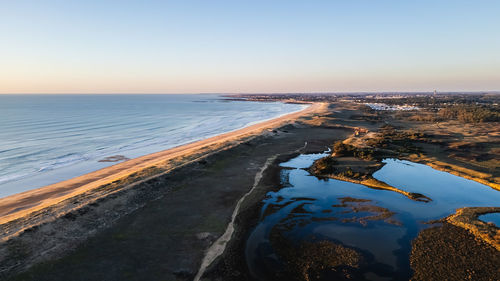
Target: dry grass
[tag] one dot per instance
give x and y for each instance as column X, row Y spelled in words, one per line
column 467, row 218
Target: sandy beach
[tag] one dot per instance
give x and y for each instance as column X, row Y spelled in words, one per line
column 22, row 204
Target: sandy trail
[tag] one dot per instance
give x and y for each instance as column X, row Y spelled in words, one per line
column 22, row 204
column 218, row 246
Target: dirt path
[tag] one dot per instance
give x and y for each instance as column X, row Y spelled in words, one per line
column 219, row 245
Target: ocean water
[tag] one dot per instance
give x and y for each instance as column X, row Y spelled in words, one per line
column 45, row 139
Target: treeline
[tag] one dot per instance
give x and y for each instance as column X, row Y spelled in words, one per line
column 397, row 140
column 439, row 101
column 470, row 113
column 341, row 149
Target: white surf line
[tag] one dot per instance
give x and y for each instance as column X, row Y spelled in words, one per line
column 217, row 248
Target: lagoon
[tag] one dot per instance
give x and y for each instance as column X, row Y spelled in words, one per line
column 379, row 223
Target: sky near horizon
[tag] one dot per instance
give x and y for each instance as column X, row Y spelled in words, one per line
column 252, row 46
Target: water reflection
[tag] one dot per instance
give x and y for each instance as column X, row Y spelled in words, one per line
column 493, row 217
column 378, row 224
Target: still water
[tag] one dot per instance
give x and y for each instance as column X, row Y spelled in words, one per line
column 379, row 223
column 493, row 218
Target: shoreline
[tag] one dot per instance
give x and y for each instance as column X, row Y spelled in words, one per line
column 22, row 204
column 80, row 168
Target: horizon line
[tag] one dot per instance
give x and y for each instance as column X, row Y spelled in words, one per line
column 271, row 93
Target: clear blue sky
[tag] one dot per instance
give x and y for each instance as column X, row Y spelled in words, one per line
column 85, row 46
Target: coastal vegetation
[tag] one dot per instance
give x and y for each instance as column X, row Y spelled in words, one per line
column 341, row 149
column 310, row 259
column 470, row 113
column 448, row 252
column 357, row 165
column 468, row 218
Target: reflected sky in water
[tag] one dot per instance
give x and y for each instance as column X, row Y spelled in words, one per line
column 379, row 223
column 494, row 218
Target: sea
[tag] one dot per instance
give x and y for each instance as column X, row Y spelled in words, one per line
column 45, row 139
